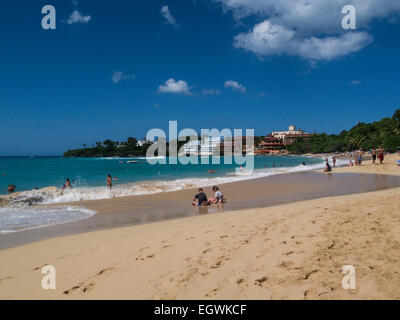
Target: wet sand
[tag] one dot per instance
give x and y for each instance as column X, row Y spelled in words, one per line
column 256, row 193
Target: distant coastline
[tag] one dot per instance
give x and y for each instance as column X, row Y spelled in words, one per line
column 384, row 133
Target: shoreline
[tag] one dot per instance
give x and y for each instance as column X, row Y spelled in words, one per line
column 273, row 171
column 173, row 204
column 286, row 251
column 241, row 195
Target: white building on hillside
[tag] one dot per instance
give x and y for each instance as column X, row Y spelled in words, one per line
column 140, row 143
column 192, row 148
column 291, row 132
column 209, row 144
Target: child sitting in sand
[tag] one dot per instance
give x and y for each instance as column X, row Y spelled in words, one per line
column 200, row 199
column 351, row 164
column 327, row 167
column 218, row 196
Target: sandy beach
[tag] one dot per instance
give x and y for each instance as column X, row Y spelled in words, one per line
column 275, row 251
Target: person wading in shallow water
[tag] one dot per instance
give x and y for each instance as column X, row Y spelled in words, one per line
column 67, row 184
column 109, row 181
column 11, row 188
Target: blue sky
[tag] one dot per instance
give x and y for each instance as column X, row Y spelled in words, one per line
column 118, row 68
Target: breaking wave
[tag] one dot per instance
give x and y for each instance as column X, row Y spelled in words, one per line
column 51, row 195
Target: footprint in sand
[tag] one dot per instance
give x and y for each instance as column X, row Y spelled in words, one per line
column 213, row 292
column 307, row 275
column 89, row 283
column 286, row 264
column 37, row 268
column 145, row 257
column 259, row 282
column 7, row 278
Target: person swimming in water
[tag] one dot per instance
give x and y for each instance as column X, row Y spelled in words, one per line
column 11, row 188
column 67, row 184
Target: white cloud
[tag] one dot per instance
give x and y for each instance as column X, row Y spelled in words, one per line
column 311, row 15
column 235, row 86
column 172, row 86
column 77, row 17
column 267, row 38
column 310, row 24
column 169, row 18
column 119, row 75
column 354, row 82
column 332, row 47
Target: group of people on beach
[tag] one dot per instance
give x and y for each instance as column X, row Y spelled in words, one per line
column 377, row 154
column 109, row 181
column 380, row 154
column 201, row 200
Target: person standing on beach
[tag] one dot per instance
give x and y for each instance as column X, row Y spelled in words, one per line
column 373, row 153
column 334, row 161
column 109, row 181
column 381, row 155
column 359, row 157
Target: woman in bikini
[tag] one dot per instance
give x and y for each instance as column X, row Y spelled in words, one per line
column 109, row 181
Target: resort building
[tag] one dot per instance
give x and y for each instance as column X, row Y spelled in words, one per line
column 209, row 144
column 270, row 145
column 292, row 133
column 142, row 142
column 192, row 148
column 216, row 146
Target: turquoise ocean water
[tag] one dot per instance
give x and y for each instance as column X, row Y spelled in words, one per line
column 88, row 177
column 38, row 172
